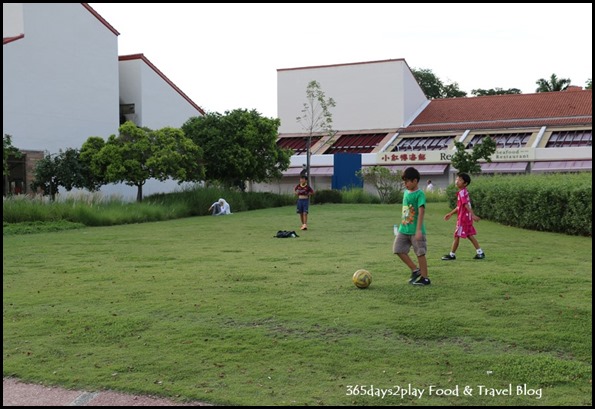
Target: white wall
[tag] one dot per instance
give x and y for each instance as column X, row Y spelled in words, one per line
column 12, row 19
column 60, row 82
column 371, row 95
column 157, row 103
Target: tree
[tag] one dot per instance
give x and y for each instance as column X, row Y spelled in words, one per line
column 139, row 154
column 93, row 171
column 467, row 162
column 386, row 182
column 553, row 84
column 46, row 175
column 433, row 87
column 589, row 84
column 238, row 146
column 316, row 117
column 8, row 150
column 494, row 91
column 63, row 169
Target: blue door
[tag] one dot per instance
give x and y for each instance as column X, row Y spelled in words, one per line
column 346, row 165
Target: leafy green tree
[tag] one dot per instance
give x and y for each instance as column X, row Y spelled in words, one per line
column 92, row 169
column 433, row 87
column 553, row 84
column 46, row 175
column 452, row 91
column 64, row 169
column 238, row 146
column 316, row 117
column 386, row 183
column 494, row 91
column 589, row 84
column 139, row 154
column 468, row 162
column 8, row 150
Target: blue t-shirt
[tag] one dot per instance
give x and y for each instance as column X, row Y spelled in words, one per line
column 412, row 201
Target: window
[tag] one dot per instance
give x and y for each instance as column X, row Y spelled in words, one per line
column 504, row 140
column 428, row 143
column 567, row 139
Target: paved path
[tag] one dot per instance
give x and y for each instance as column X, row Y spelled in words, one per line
column 17, row 393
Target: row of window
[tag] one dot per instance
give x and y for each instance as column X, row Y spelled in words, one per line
column 366, row 143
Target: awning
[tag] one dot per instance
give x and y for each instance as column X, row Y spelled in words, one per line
column 437, row 169
column 314, row 171
column 293, row 171
column 322, row 171
column 563, row 166
column 504, row 167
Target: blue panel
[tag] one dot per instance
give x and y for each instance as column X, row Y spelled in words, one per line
column 346, row 165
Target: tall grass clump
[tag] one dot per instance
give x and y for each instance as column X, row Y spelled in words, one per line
column 96, row 210
column 359, row 195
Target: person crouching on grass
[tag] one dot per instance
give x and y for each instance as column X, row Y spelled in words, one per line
column 412, row 230
column 303, row 192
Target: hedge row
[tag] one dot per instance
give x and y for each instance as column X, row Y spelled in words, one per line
column 560, row 203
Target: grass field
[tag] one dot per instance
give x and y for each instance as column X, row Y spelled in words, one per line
column 216, row 309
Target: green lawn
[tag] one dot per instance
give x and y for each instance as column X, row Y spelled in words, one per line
column 216, row 309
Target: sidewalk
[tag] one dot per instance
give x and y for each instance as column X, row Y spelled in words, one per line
column 17, row 393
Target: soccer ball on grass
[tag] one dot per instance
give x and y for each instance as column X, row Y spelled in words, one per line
column 362, row 278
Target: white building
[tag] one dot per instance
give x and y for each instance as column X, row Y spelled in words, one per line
column 383, row 116
column 64, row 82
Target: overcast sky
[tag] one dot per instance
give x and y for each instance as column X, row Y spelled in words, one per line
column 226, row 56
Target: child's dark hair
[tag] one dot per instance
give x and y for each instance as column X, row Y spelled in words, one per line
column 411, row 174
column 466, row 178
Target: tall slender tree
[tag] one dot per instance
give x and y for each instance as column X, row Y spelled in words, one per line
column 316, row 117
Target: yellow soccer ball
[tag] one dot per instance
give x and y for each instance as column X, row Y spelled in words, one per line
column 362, row 278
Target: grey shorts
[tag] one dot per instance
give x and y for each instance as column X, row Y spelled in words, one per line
column 404, row 242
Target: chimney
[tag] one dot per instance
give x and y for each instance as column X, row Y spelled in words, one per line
column 574, row 88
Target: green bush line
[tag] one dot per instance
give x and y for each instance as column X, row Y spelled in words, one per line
column 560, row 203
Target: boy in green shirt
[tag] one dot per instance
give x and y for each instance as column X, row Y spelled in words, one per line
column 412, row 230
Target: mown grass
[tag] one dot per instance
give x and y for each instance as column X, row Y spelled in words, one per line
column 216, row 309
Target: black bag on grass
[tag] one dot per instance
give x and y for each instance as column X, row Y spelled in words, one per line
column 283, row 234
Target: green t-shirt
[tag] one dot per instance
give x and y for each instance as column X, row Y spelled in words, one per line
column 412, row 201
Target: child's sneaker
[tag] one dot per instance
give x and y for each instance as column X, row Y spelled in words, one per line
column 422, row 281
column 449, row 257
column 414, row 276
column 480, row 256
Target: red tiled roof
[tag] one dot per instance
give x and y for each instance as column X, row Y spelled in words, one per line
column 506, row 111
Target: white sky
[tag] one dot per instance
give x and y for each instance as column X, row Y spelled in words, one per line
column 226, row 56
